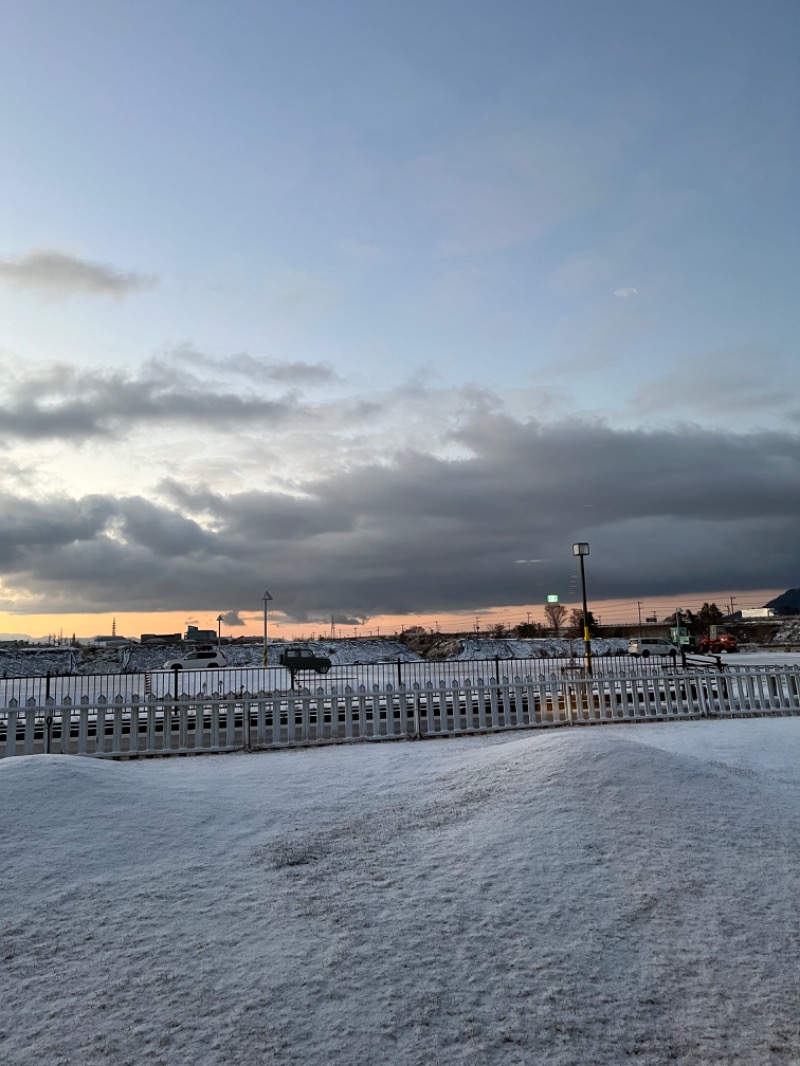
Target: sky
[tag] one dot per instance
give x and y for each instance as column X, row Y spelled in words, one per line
column 361, row 304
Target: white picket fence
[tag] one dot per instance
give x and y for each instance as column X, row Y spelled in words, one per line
column 130, row 726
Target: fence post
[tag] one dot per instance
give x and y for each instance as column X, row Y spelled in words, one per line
column 702, row 696
column 723, row 690
column 774, row 692
column 246, row 723
column 417, row 714
column 399, row 671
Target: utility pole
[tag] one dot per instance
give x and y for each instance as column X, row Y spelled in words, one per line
column 732, row 602
column 582, row 549
column 639, row 609
column 265, row 600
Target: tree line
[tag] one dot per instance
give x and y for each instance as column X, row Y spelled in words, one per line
column 569, row 623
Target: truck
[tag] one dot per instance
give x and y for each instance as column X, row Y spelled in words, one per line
column 719, row 639
column 296, row 659
column 681, row 637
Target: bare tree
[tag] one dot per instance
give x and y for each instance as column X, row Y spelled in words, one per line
column 555, row 613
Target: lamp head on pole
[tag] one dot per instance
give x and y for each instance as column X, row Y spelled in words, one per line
column 582, row 548
column 266, row 597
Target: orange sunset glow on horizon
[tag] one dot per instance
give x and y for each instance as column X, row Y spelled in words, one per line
column 134, row 624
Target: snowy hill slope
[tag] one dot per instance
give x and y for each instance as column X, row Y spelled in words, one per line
column 578, row 897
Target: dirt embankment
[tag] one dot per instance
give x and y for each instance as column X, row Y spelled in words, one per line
column 432, row 645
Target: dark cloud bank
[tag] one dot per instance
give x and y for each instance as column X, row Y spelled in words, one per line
column 665, row 512
column 62, row 403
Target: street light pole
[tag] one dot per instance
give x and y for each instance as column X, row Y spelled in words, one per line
column 581, row 550
column 266, row 598
column 219, row 631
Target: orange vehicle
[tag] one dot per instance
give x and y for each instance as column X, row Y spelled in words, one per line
column 718, row 640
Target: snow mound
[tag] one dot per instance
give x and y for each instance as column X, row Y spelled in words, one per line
column 570, row 897
column 484, row 648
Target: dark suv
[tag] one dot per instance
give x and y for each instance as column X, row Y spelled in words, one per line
column 295, row 659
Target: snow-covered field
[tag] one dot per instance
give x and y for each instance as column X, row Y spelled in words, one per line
column 582, row 897
column 38, row 660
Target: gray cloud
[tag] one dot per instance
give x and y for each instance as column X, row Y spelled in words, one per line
column 63, row 402
column 261, row 371
column 231, row 618
column 59, row 275
column 346, row 620
column 734, row 381
column 665, row 512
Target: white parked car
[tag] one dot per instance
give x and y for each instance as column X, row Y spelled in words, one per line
column 646, row 646
column 197, row 660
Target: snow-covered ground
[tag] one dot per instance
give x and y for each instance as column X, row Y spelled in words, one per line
column 38, row 660
column 583, row 897
column 761, row 658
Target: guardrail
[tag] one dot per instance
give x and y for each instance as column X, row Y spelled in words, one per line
column 183, row 723
column 16, row 691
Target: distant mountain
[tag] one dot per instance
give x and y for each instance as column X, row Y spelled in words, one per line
column 787, row 603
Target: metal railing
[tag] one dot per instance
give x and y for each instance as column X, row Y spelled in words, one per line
column 192, row 722
column 17, row 691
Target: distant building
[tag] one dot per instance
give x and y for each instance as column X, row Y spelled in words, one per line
column 758, row 612
column 161, row 638
column 204, row 635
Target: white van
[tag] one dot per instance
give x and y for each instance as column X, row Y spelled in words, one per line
column 197, row 660
column 646, row 646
